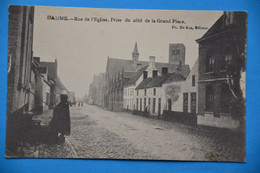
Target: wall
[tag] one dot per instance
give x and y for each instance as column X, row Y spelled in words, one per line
column 45, row 95
column 223, row 121
column 173, row 91
column 39, row 94
column 149, row 94
column 19, row 56
column 188, row 88
column 175, row 59
column 129, row 97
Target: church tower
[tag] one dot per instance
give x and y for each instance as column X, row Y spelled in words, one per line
column 135, row 54
column 177, row 54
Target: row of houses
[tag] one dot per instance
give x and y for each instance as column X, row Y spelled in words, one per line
column 33, row 86
column 211, row 90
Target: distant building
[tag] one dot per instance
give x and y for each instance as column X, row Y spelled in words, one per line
column 71, row 97
column 222, row 60
column 96, row 90
column 124, row 76
column 149, row 93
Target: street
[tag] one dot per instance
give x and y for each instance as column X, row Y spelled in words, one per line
column 98, row 133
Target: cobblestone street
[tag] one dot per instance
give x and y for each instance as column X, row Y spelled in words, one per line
column 98, row 133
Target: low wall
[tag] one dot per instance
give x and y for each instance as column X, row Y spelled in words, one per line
column 180, row 117
column 224, row 121
column 142, row 113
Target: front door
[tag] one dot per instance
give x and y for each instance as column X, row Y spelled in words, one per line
column 159, row 106
column 193, row 102
column 169, row 105
column 185, row 102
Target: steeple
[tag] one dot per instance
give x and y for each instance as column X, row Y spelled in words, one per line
column 135, row 48
column 135, row 54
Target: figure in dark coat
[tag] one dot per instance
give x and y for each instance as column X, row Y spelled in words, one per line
column 60, row 122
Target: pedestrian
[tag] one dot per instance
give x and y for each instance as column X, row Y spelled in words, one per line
column 60, row 122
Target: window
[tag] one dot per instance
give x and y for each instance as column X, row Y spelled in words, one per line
column 137, row 104
column 210, row 61
column 193, row 80
column 209, row 98
column 159, row 106
column 228, row 60
column 154, row 91
column 169, row 104
column 144, row 102
column 210, row 64
column 140, row 104
column 176, row 52
column 185, row 102
column 193, row 102
column 154, row 103
column 137, row 92
column 144, row 92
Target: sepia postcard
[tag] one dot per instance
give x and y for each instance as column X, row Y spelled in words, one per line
column 126, row 84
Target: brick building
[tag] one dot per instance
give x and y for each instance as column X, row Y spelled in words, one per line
column 221, row 62
column 19, row 99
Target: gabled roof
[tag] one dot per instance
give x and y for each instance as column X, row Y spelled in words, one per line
column 136, row 76
column 159, row 80
column 128, row 75
column 216, row 28
column 175, row 77
column 59, row 84
column 144, row 83
column 153, row 82
column 52, row 69
column 116, row 65
column 173, row 68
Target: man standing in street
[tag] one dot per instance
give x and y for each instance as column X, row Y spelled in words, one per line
column 60, row 122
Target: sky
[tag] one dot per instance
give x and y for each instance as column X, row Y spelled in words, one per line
column 82, row 47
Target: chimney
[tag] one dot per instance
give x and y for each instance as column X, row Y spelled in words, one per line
column 180, row 66
column 138, row 66
column 164, row 70
column 145, row 73
column 155, row 73
column 152, row 61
